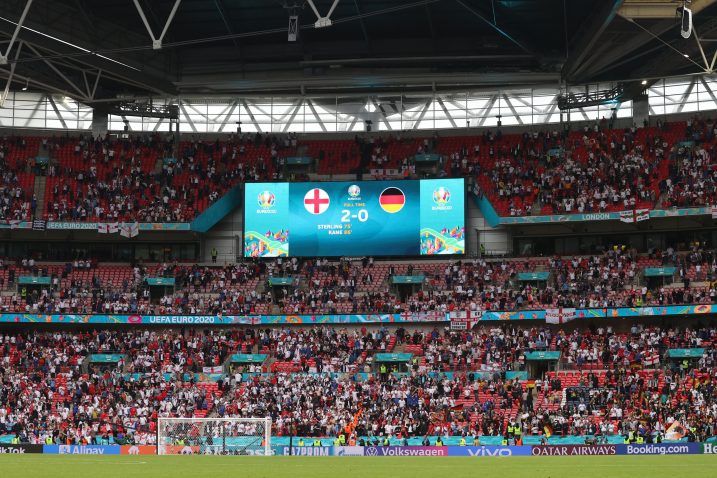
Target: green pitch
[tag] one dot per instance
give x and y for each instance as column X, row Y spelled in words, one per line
column 117, row 466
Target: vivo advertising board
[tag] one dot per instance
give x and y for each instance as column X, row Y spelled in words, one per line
column 489, row 451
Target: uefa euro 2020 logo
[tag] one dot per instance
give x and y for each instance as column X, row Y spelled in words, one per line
column 266, row 199
column 441, row 196
column 354, row 191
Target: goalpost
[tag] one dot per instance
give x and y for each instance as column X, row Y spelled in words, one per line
column 214, row 436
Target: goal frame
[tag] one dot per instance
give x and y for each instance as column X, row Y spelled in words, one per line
column 163, row 421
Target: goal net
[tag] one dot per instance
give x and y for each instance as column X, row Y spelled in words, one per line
column 214, row 436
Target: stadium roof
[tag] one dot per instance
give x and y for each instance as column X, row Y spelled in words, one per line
column 239, row 47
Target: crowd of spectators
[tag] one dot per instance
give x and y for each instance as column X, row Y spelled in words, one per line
column 149, row 178
column 17, row 203
column 692, row 177
column 613, row 278
column 454, row 385
column 145, row 177
column 596, row 170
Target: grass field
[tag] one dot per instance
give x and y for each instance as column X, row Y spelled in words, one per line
column 123, row 466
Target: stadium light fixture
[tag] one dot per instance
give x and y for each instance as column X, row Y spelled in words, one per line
column 27, row 84
column 686, row 23
column 644, row 82
column 293, row 28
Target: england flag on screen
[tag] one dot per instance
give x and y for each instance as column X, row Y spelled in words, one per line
column 316, row 201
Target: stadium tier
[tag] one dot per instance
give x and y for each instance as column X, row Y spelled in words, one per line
column 110, row 386
column 148, row 179
column 615, row 278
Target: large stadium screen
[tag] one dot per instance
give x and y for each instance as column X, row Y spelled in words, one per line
column 361, row 218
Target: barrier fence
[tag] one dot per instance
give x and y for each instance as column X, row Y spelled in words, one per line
column 674, row 448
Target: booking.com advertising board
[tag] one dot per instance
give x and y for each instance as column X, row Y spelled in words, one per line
column 682, row 448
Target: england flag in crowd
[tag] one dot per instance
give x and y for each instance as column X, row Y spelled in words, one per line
column 39, row 225
column 634, row 215
column 107, row 228
column 559, row 316
column 651, row 358
column 129, row 229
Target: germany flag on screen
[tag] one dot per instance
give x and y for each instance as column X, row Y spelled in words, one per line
column 392, row 200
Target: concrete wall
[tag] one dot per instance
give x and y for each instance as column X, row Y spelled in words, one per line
column 641, row 112
column 226, row 236
column 496, row 240
column 100, row 122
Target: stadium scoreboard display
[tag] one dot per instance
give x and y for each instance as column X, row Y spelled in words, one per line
column 359, row 218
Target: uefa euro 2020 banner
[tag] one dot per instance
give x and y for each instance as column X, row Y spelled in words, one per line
column 404, row 317
column 360, row 218
column 431, row 316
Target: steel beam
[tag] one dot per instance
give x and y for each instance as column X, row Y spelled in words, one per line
column 363, row 26
column 598, row 20
column 34, row 111
column 40, row 83
column 186, row 115
column 316, row 115
column 702, row 51
column 487, row 109
column 15, row 33
column 251, row 116
column 495, row 27
column 652, row 9
column 686, row 95
column 51, row 42
column 225, row 19
column 384, row 116
column 82, row 94
column 6, row 91
column 57, row 111
column 234, row 105
column 424, row 110
column 448, row 114
column 157, row 42
column 632, row 47
column 512, row 109
column 294, row 112
column 322, row 22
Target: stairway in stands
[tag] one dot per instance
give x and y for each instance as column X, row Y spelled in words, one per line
column 39, row 190
column 211, row 391
column 60, row 383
